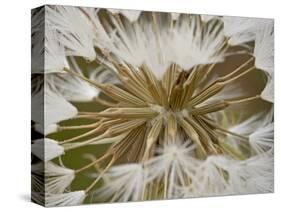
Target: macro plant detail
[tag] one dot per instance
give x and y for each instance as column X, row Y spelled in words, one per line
column 148, row 105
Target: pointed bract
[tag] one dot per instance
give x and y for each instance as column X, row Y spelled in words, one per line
column 268, row 92
column 57, row 108
column 264, row 48
column 47, row 53
column 261, row 139
column 264, row 57
column 55, row 58
column 125, row 182
column 46, row 149
column 65, row 199
column 57, row 178
column 72, row 88
column 45, row 130
column 75, row 28
column 240, row 30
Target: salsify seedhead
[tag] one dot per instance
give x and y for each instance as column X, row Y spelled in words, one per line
column 164, row 105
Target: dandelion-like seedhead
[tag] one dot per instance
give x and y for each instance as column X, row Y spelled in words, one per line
column 163, row 105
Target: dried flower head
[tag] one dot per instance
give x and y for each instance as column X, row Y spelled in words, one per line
column 185, row 104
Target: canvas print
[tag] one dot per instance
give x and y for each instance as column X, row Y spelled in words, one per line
column 134, row 105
